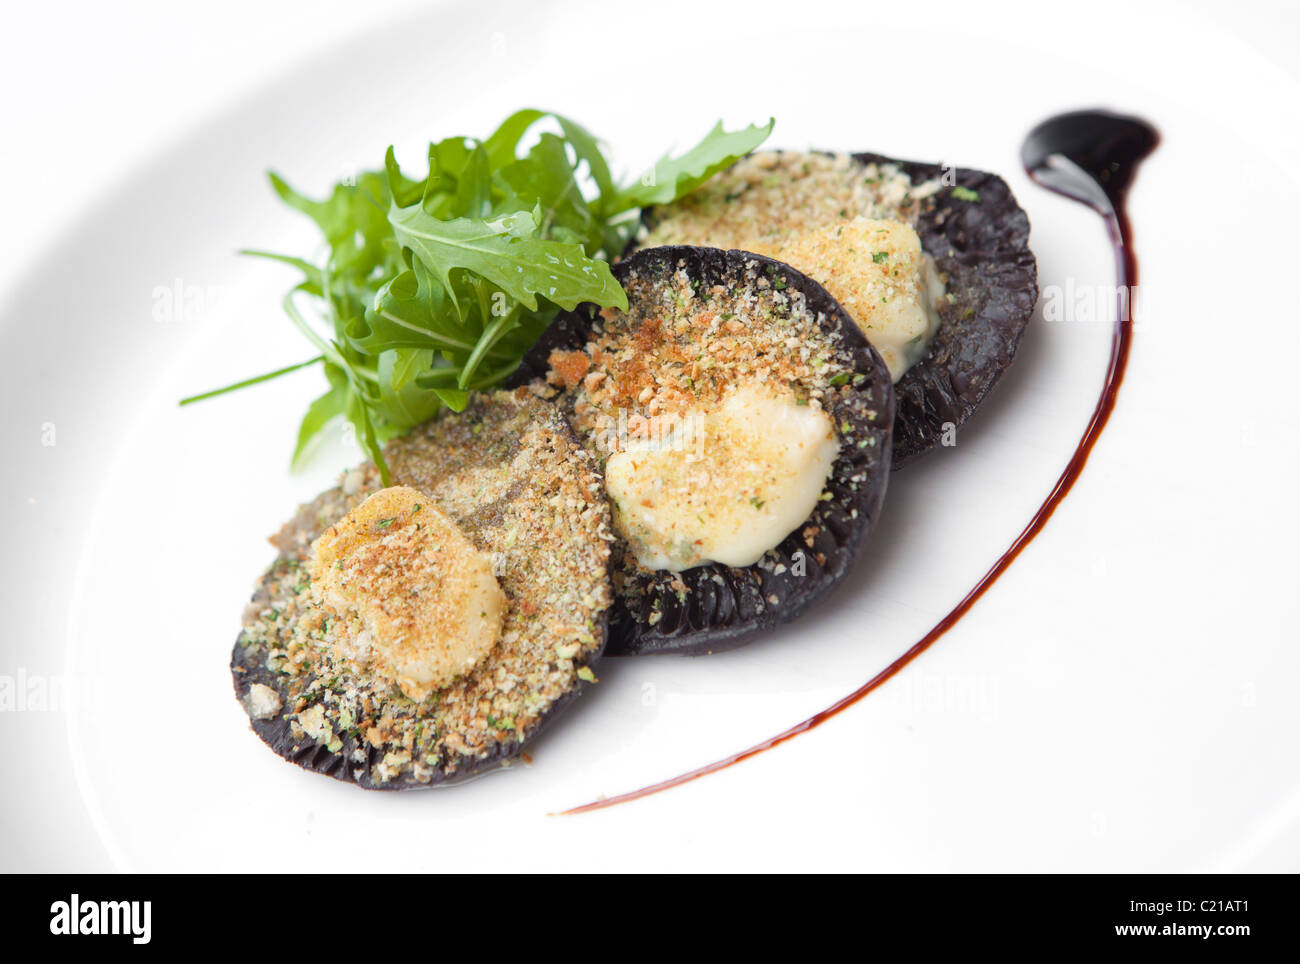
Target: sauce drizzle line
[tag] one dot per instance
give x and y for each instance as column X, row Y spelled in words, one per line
column 1091, row 157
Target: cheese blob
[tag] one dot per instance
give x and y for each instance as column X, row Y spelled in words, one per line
column 879, row 273
column 723, row 485
column 425, row 604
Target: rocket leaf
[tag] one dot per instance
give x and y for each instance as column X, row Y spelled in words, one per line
column 432, row 287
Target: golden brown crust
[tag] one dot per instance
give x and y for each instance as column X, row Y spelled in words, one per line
column 420, row 601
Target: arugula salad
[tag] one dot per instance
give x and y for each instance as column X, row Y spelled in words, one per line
column 432, row 287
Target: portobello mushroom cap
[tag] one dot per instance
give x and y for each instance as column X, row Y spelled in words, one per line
column 714, row 607
column 512, row 475
column 980, row 242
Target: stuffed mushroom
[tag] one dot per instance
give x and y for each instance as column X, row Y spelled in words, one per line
column 419, row 633
column 743, row 423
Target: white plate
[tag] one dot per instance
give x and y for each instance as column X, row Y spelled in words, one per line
column 1119, row 701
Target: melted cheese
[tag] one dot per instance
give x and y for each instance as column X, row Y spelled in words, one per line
column 878, row 272
column 426, row 602
column 726, row 485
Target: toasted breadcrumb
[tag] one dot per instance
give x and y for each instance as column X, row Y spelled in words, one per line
column 427, row 597
column 681, row 347
column 771, row 196
column 845, row 224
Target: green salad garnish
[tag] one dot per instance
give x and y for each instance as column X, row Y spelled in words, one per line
column 435, row 287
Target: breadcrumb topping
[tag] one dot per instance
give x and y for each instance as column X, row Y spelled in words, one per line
column 845, row 224
column 427, row 601
column 682, row 346
column 877, row 271
column 755, row 472
column 772, row 195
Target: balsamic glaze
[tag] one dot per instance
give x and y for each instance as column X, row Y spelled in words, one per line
column 1092, row 157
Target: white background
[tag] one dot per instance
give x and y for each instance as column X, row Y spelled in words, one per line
column 1122, row 700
